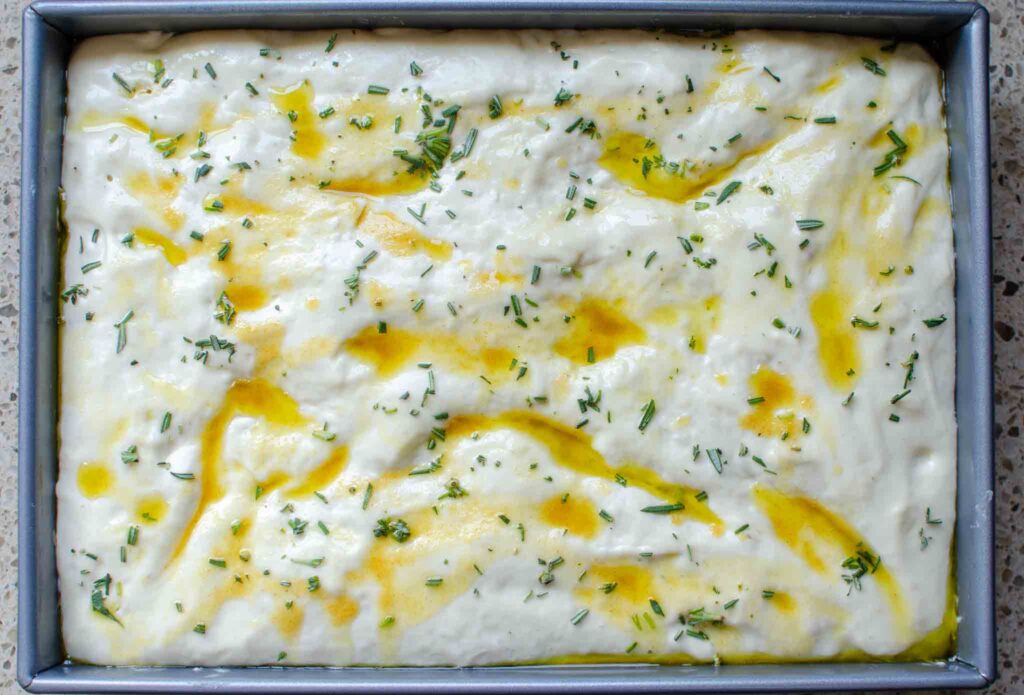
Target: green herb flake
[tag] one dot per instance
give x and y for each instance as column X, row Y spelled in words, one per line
column 715, row 456
column 122, row 330
column 648, row 415
column 872, row 66
column 731, row 188
column 124, row 85
column 494, row 107
column 893, row 157
column 580, row 615
column 664, row 508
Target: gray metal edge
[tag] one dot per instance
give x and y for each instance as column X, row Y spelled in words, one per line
column 572, row 679
column 107, row 16
column 77, row 678
column 27, row 653
column 980, row 537
column 26, row 670
column 91, row 8
column 43, row 56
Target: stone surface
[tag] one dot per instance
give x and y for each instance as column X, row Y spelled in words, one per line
column 1007, row 104
column 1007, row 100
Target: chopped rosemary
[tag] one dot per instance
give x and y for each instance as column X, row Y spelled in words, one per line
column 494, row 108
column 731, row 188
column 664, row 508
column 122, row 331
column 894, row 156
column 648, row 415
column 715, row 456
column 395, row 528
column 872, row 66
column 858, row 322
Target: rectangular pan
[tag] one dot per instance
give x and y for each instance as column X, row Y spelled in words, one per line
column 957, row 32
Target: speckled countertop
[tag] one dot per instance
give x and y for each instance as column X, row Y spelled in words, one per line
column 1007, row 101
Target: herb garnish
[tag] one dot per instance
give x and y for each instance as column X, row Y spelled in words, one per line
column 494, row 108
column 122, row 331
column 860, row 564
column 664, row 508
column 396, row 528
column 893, row 157
column 731, row 188
column 872, row 66
column 648, row 415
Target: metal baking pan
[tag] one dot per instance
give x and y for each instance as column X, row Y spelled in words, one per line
column 957, row 34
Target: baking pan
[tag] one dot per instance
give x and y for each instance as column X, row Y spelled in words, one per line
column 957, row 34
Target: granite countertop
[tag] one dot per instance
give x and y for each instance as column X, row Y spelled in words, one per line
column 1007, row 102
